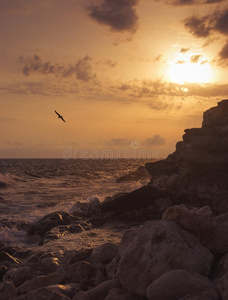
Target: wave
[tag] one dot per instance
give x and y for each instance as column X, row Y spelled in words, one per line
column 5, row 180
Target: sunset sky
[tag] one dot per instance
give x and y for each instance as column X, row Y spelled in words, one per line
column 119, row 71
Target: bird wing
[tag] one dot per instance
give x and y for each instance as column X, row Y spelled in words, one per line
column 57, row 113
column 62, row 119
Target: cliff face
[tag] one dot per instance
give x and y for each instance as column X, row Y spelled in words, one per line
column 200, row 162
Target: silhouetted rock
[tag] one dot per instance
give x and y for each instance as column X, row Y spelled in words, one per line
column 200, row 163
column 141, row 197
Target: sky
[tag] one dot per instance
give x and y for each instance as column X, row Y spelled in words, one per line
column 128, row 76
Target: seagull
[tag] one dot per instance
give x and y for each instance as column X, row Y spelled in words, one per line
column 61, row 117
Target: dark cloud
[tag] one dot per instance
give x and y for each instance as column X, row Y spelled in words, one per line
column 223, row 54
column 195, row 58
column 192, row 2
column 156, row 140
column 35, row 64
column 221, row 21
column 182, row 2
column 119, row 15
column 206, row 25
column 184, row 50
column 199, row 27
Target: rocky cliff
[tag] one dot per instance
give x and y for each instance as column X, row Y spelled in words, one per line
column 198, row 170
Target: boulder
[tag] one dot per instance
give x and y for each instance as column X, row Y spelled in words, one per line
column 222, row 286
column 158, row 247
column 105, row 252
column 18, row 275
column 46, row 293
column 175, row 284
column 40, row 282
column 101, row 291
column 121, row 294
column 194, row 219
column 205, row 295
column 215, row 238
column 7, row 291
column 139, row 198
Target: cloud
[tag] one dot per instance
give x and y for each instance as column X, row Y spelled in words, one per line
column 84, row 70
column 223, row 54
column 192, row 2
column 118, row 142
column 199, row 27
column 119, row 15
column 158, row 58
column 156, row 140
column 195, row 58
column 206, row 25
column 180, row 62
column 35, row 64
column 184, row 50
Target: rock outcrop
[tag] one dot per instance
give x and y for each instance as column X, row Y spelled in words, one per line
column 200, row 163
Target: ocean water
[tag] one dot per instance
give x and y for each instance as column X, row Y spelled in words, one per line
column 32, row 188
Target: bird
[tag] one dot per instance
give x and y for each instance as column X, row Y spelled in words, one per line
column 61, row 117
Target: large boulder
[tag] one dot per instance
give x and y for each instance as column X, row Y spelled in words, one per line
column 159, row 247
column 139, row 198
column 176, row 284
column 194, row 219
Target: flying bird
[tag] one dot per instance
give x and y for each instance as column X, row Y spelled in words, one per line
column 61, row 117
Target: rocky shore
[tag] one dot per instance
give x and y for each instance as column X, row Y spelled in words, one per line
column 164, row 241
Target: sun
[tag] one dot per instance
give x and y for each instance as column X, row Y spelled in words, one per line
column 190, row 70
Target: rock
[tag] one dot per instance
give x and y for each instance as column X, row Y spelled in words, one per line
column 40, row 282
column 140, row 174
column 220, row 268
column 176, row 284
column 162, row 167
column 195, row 219
column 141, row 197
column 158, row 247
column 162, row 203
column 161, row 182
column 112, row 267
column 18, row 275
column 4, row 256
column 81, row 296
column 205, row 295
column 222, row 286
column 42, row 263
column 74, row 256
column 101, row 291
column 7, row 291
column 121, row 294
column 84, row 273
column 105, row 252
column 197, row 170
column 68, row 290
column 215, row 238
column 216, row 115
column 50, row 221
column 46, row 293
column 93, row 206
column 3, row 270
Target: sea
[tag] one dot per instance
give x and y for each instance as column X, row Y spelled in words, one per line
column 33, row 188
